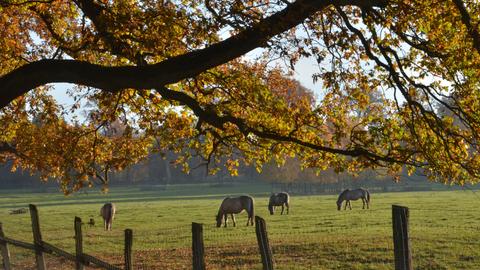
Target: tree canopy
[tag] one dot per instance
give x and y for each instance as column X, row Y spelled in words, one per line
column 160, row 75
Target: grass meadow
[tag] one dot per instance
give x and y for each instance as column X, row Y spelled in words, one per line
column 444, row 228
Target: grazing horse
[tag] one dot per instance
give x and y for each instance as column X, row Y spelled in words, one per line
column 108, row 213
column 348, row 195
column 279, row 199
column 234, row 206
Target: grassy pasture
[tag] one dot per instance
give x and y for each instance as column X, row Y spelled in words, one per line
column 444, row 229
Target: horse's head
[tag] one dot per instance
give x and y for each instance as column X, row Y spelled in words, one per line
column 270, row 209
column 341, row 197
column 339, row 204
column 219, row 220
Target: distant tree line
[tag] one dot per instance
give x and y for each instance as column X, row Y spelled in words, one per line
column 161, row 170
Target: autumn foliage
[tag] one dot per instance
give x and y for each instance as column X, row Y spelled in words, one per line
column 397, row 85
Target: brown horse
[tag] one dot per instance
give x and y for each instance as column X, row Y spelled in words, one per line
column 234, row 206
column 348, row 195
column 279, row 199
column 108, row 213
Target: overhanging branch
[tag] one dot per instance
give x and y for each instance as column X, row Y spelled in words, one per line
column 467, row 21
column 218, row 121
column 30, row 76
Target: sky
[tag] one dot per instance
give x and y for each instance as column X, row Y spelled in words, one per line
column 304, row 70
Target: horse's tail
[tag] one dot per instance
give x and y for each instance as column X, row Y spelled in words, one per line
column 114, row 209
column 108, row 211
column 368, row 196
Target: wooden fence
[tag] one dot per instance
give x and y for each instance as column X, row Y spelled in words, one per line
column 402, row 251
column 400, row 215
column 40, row 247
column 401, row 241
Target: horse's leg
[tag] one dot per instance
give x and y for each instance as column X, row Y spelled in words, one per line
column 282, row 210
column 346, row 204
column 350, row 204
column 288, row 207
column 363, row 201
column 252, row 216
column 233, row 219
column 226, row 218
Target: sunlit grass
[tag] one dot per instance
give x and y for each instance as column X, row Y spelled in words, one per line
column 444, row 229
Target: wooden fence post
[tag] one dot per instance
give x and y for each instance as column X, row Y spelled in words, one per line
column 264, row 246
column 5, row 251
column 78, row 244
column 128, row 249
column 401, row 241
column 37, row 238
column 198, row 249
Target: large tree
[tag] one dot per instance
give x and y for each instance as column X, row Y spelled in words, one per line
column 174, row 74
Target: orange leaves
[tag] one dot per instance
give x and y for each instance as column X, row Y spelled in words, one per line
column 74, row 155
column 383, row 76
column 232, row 166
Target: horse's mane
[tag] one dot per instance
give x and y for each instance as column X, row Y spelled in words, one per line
column 345, row 191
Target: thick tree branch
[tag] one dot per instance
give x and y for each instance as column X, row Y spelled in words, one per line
column 7, row 3
column 27, row 77
column 472, row 30
column 7, row 148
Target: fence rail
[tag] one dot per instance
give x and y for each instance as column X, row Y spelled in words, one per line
column 40, row 247
column 400, row 215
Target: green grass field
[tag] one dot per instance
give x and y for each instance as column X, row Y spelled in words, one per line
column 444, row 229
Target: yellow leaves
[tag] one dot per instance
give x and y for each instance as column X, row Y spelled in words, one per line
column 250, row 112
column 410, row 170
column 70, row 153
column 15, row 165
column 232, row 166
column 362, row 98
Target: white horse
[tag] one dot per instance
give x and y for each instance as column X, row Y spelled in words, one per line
column 108, row 213
column 348, row 195
column 235, row 206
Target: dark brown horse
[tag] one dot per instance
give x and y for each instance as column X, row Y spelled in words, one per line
column 235, row 206
column 108, row 214
column 348, row 195
column 279, row 199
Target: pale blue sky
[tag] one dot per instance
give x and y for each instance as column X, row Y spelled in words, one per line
column 304, row 70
